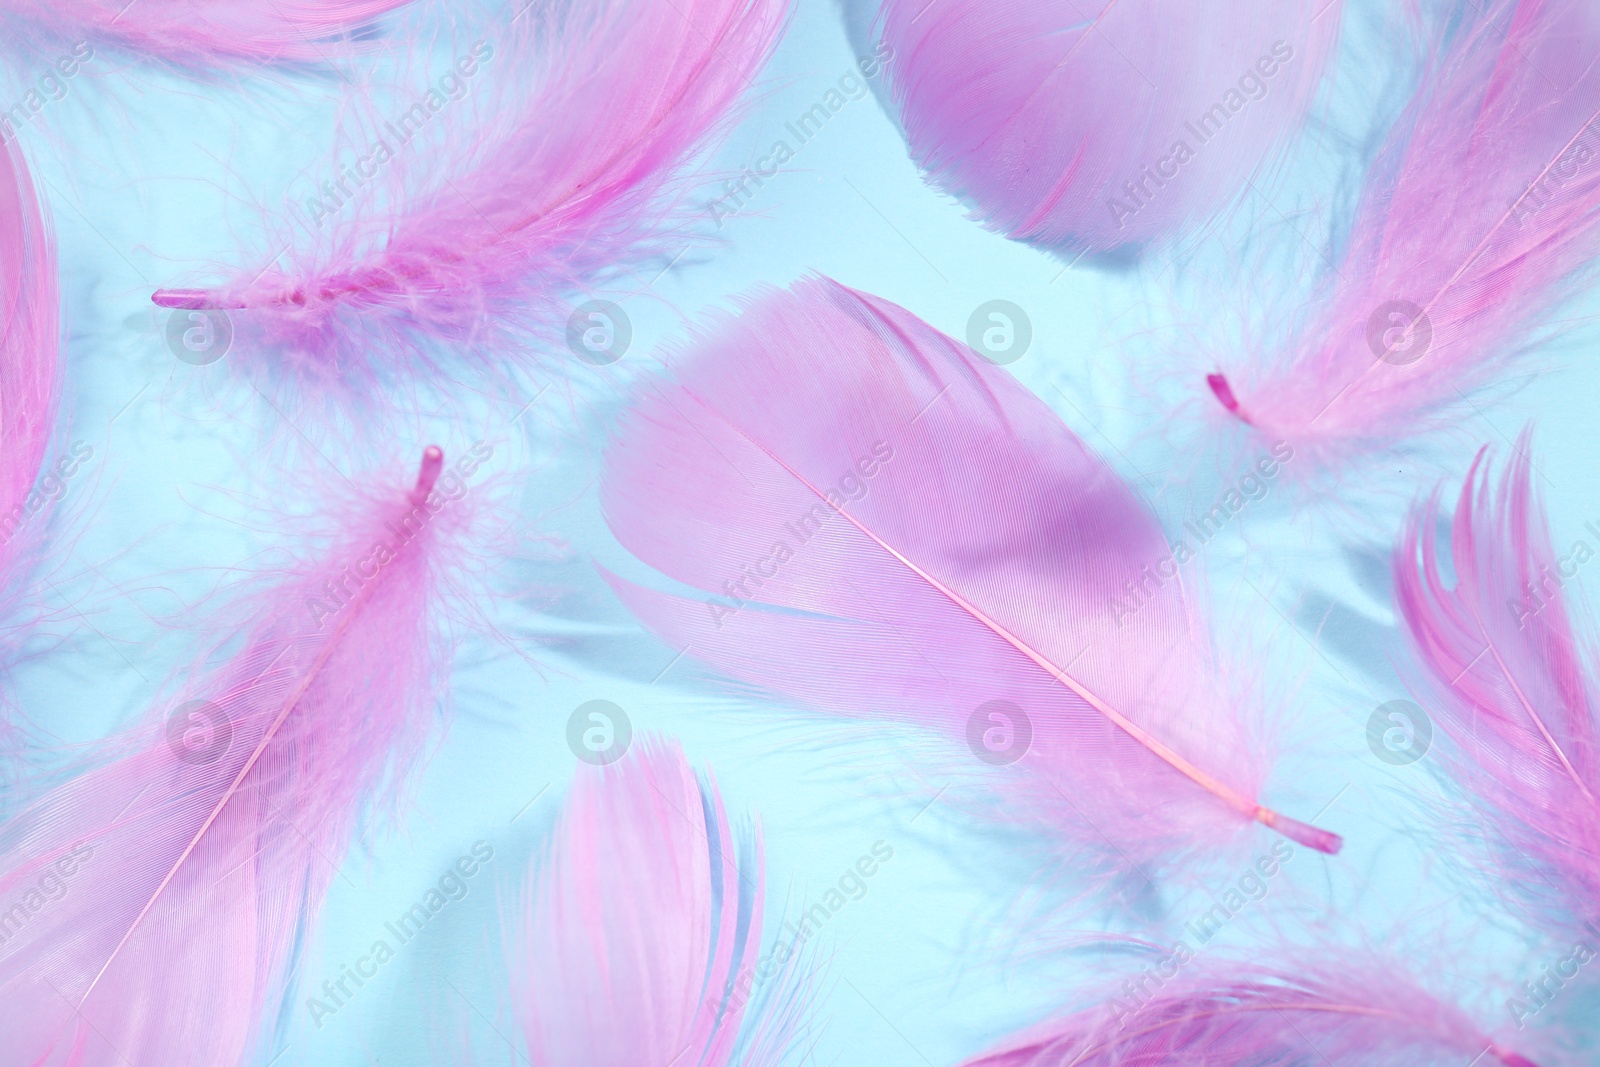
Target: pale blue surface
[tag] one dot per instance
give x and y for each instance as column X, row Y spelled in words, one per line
column 149, row 176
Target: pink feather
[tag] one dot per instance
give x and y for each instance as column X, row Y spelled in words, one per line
column 1059, row 121
column 1509, row 685
column 638, row 934
column 577, row 177
column 1475, row 221
column 165, row 889
column 1344, row 1013
column 29, row 346
column 192, row 33
column 881, row 524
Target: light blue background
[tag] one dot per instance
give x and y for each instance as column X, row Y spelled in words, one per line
column 151, row 176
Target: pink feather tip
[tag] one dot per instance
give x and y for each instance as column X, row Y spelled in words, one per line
column 1102, row 126
column 926, row 541
column 639, row 932
column 29, row 340
column 1507, row 684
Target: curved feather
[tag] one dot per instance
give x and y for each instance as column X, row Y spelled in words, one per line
column 157, row 899
column 209, row 32
column 879, row 523
column 575, row 177
column 1475, row 221
column 1346, row 1014
column 637, row 936
column 29, row 345
column 1106, row 125
column 1509, row 685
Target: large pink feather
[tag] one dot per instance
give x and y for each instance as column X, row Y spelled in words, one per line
column 1340, row 1013
column 880, row 523
column 577, row 176
column 1508, row 684
column 195, row 33
column 1475, row 219
column 29, row 346
column 157, row 899
column 638, row 936
column 1101, row 125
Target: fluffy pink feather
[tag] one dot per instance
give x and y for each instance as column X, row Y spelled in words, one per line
column 155, row 901
column 881, row 524
column 29, row 345
column 1475, row 220
column 1342, row 1013
column 1101, row 125
column 637, row 937
column 481, row 234
column 192, row 33
column 1509, row 685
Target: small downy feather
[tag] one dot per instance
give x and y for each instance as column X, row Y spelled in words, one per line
column 206, row 33
column 880, row 523
column 29, row 349
column 171, row 882
column 1102, row 126
column 479, row 237
column 637, row 934
column 1343, row 1012
column 1475, row 221
column 1509, row 685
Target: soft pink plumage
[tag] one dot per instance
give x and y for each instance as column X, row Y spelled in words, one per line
column 484, row 233
column 196, row 33
column 637, row 938
column 1039, row 113
column 945, row 542
column 1511, row 686
column 1337, row 1013
column 29, row 344
column 1476, row 217
column 183, row 869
